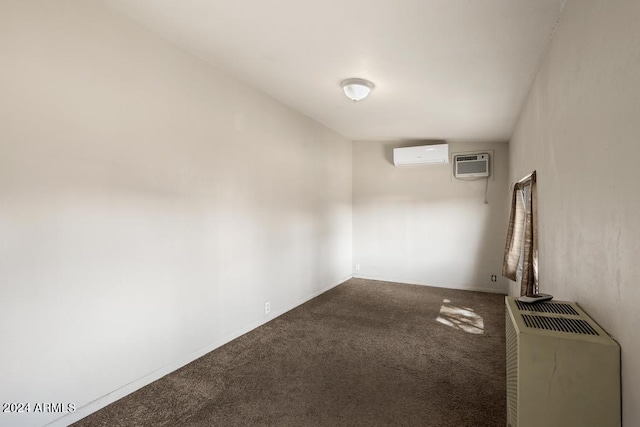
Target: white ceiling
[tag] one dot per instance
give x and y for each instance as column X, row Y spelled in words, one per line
column 455, row 70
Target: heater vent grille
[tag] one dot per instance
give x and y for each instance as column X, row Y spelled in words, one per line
column 547, row 307
column 559, row 324
column 512, row 372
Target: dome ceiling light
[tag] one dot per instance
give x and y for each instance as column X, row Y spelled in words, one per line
column 356, row 89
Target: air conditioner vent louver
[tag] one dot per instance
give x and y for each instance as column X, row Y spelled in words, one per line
column 463, row 158
column 547, row 307
column 560, row 324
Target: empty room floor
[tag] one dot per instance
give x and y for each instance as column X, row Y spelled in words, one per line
column 364, row 353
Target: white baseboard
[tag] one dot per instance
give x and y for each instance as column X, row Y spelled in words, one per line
column 115, row 395
column 471, row 288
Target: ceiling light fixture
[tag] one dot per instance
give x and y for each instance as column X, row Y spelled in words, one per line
column 356, row 89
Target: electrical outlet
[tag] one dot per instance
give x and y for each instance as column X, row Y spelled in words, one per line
column 357, row 267
column 494, row 278
column 267, row 307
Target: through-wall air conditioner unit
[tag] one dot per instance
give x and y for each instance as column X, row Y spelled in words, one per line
column 423, row 155
column 563, row 370
column 471, row 165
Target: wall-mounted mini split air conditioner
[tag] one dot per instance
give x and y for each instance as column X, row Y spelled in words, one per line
column 471, row 165
column 423, row 155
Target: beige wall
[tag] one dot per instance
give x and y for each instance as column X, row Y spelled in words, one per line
column 580, row 130
column 149, row 206
column 416, row 224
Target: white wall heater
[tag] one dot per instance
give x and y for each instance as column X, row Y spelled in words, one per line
column 562, row 368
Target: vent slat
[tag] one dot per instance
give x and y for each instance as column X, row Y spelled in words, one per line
column 512, row 371
column 559, row 324
column 547, row 307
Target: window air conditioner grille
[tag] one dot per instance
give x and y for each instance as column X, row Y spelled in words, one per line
column 547, row 307
column 471, row 167
column 463, row 158
column 560, row 324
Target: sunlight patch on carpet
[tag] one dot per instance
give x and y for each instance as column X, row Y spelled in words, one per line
column 462, row 318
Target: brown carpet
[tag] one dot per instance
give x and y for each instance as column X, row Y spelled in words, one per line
column 366, row 353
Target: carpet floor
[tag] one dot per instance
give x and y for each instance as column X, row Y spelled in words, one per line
column 366, row 353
